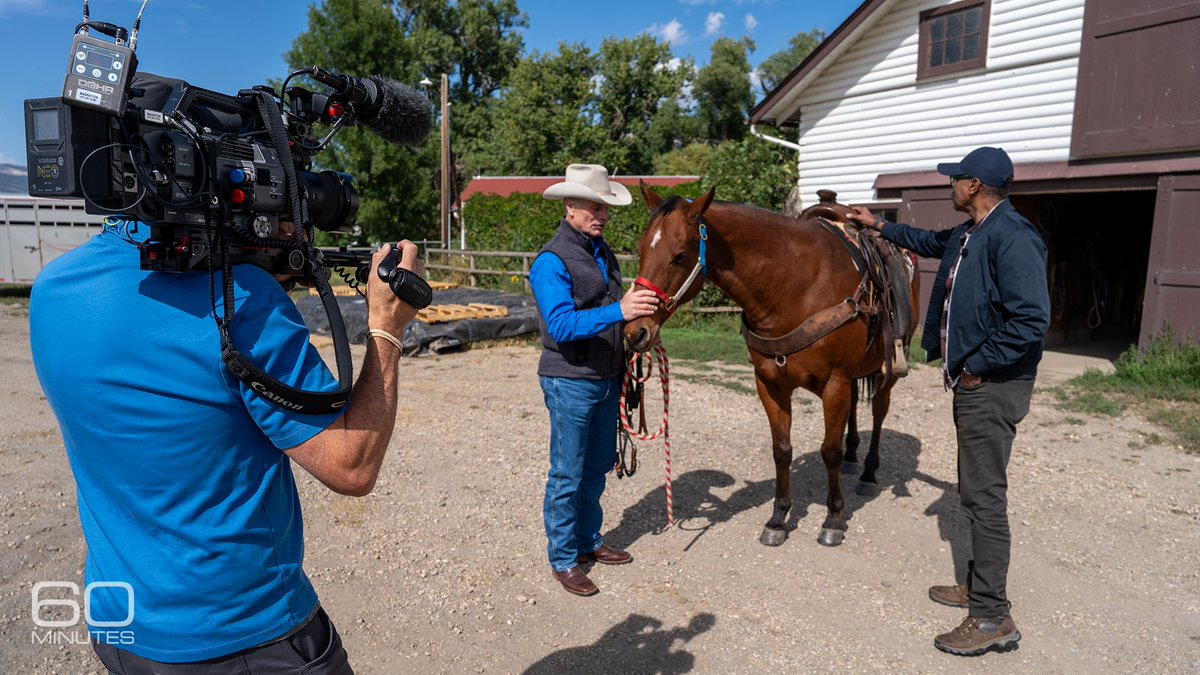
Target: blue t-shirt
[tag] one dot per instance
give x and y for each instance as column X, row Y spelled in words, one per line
column 184, row 491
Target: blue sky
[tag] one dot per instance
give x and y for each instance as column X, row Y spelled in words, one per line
column 227, row 45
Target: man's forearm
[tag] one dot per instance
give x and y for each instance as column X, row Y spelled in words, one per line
column 348, row 455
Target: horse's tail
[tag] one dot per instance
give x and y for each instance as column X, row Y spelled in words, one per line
column 866, row 387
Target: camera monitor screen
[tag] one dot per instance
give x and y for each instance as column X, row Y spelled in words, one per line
column 45, row 125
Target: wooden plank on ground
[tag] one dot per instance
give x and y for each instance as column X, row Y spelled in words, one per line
column 447, row 313
column 337, row 290
column 442, row 285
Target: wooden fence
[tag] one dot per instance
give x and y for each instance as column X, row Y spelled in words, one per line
column 464, row 267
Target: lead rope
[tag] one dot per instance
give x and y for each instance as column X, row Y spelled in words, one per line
column 633, row 382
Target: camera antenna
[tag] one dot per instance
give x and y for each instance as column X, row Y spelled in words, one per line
column 133, row 35
column 86, row 17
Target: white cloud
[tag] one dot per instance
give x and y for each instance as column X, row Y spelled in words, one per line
column 712, row 25
column 751, row 23
column 671, row 65
column 696, row 3
column 672, row 33
column 756, row 79
column 5, row 159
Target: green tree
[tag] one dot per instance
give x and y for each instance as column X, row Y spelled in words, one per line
column 723, row 90
column 775, row 69
column 638, row 79
column 545, row 118
column 617, row 107
column 690, row 160
column 751, row 171
column 474, row 41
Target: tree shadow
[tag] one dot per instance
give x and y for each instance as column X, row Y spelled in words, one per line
column 639, row 644
column 697, row 507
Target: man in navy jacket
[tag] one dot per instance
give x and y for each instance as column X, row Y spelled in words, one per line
column 988, row 313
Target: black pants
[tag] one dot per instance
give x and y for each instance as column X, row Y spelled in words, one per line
column 986, row 418
column 315, row 649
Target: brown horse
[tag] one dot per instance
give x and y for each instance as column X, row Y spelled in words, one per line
column 781, row 271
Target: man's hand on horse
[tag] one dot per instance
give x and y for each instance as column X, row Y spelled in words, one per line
column 638, row 302
column 863, row 216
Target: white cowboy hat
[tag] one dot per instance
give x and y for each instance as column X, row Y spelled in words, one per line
column 590, row 182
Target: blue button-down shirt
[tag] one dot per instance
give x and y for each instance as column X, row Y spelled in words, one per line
column 551, row 286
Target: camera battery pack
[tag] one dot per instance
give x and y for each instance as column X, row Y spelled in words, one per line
column 58, row 141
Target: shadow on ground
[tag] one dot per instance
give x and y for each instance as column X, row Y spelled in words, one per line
column 639, row 644
column 699, row 504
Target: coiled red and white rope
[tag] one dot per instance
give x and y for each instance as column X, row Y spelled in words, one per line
column 659, row 358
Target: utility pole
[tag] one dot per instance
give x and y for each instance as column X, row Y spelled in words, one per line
column 445, row 199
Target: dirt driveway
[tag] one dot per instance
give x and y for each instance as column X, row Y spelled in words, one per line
column 442, row 569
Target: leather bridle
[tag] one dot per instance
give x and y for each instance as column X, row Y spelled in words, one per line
column 671, row 302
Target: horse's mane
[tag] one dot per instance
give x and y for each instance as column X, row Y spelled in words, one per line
column 674, row 203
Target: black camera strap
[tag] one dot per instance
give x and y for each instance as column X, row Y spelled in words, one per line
column 269, row 388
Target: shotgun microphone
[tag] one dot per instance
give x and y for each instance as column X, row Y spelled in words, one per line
column 392, row 111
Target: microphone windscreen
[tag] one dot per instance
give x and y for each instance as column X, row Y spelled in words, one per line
column 400, row 115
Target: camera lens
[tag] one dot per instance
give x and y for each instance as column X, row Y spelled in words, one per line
column 332, row 201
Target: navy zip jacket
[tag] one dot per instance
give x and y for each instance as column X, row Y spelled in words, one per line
column 1000, row 309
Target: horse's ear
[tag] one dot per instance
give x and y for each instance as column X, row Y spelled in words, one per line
column 701, row 203
column 650, row 197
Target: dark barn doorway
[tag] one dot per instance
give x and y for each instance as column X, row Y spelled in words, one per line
column 1099, row 247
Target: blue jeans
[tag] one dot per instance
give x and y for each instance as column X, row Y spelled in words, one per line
column 583, row 447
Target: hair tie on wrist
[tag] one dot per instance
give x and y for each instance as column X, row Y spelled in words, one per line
column 379, row 333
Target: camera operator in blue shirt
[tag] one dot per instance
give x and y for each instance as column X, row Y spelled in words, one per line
column 183, row 473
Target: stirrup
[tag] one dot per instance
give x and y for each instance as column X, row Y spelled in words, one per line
column 899, row 362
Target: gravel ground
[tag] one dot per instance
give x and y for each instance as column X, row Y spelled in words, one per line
column 443, row 570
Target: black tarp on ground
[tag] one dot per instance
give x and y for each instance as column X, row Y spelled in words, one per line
column 422, row 337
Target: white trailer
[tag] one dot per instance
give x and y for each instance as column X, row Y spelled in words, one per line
column 37, row 231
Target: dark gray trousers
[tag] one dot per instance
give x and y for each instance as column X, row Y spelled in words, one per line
column 986, row 418
column 315, row 648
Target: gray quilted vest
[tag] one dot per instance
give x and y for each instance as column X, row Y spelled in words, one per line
column 594, row 358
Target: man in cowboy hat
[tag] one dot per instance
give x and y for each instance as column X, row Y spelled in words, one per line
column 993, row 276
column 577, row 284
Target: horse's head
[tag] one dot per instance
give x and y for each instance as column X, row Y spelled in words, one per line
column 670, row 260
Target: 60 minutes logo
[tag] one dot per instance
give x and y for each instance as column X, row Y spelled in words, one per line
column 38, row 603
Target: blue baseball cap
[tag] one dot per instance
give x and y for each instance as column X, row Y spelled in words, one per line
column 990, row 165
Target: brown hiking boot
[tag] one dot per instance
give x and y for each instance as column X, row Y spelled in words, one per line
column 950, row 596
column 977, row 635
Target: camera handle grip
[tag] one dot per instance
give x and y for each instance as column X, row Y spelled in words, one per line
column 407, row 285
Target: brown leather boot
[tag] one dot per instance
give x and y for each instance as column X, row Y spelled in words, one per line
column 575, row 581
column 606, row 555
column 976, row 635
column 957, row 595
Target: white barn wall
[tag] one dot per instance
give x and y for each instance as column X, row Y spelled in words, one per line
column 866, row 114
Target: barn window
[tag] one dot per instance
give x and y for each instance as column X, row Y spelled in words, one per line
column 953, row 38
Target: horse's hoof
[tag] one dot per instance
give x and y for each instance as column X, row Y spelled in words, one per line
column 867, row 489
column 830, row 537
column 772, row 537
column 849, row 468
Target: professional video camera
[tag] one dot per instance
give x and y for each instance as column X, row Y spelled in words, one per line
column 219, row 179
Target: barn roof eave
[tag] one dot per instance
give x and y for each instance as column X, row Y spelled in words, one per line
column 779, row 105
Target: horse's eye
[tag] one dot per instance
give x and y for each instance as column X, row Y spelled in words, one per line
column 678, row 260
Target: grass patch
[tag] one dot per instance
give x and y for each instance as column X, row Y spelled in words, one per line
column 16, row 295
column 705, row 338
column 1161, row 382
